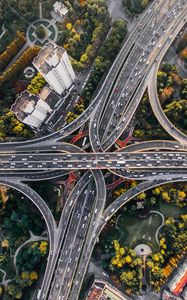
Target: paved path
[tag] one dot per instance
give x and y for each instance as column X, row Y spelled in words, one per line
column 20, row 52
column 4, row 275
column 51, row 22
column 148, row 296
column 120, row 230
column 162, row 224
column 116, row 10
column 40, row 9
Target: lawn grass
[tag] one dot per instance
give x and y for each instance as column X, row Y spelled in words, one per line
column 139, row 229
column 9, row 268
column 171, row 210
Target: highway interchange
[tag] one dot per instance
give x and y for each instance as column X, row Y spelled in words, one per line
column 109, row 115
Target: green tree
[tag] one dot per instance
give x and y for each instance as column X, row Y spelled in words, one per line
column 40, row 31
column 14, row 290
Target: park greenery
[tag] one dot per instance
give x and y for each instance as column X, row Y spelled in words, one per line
column 18, row 66
column 172, row 91
column 18, row 219
column 182, row 48
column 147, row 127
column 105, row 56
column 17, row 15
column 85, row 27
column 51, row 192
column 10, row 126
column 173, row 247
column 36, row 84
column 12, row 49
column 83, row 31
column 10, row 86
column 40, row 31
column 118, row 242
column 126, row 266
column 135, row 7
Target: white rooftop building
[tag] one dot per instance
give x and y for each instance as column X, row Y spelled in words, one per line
column 60, row 8
column 54, row 65
column 31, row 109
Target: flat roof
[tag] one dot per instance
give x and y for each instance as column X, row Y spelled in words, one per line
column 22, row 101
column 45, row 54
column 49, row 96
column 60, row 7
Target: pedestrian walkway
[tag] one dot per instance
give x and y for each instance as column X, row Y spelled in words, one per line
column 162, row 224
column 4, row 275
column 50, row 28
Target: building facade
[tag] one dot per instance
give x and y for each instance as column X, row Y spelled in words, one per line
column 54, row 65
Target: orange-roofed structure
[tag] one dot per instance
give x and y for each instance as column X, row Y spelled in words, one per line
column 179, row 281
column 180, row 285
column 102, row 290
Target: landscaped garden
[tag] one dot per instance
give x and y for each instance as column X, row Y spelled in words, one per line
column 136, row 227
column 172, row 93
column 135, row 7
column 23, row 245
column 40, row 31
column 154, row 221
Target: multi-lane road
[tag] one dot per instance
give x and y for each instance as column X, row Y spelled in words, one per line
column 109, row 114
column 111, row 160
